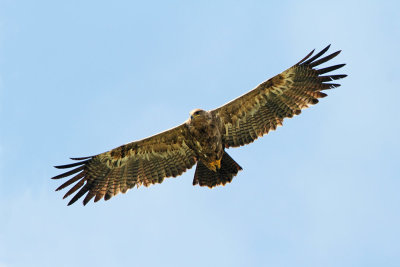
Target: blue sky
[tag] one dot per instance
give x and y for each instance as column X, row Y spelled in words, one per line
column 81, row 77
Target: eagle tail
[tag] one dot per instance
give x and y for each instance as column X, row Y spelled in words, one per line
column 206, row 177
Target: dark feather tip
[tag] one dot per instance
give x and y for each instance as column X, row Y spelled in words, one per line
column 68, row 173
column 306, row 57
column 317, row 55
column 71, row 165
column 81, row 158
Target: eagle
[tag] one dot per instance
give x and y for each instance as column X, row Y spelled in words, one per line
column 203, row 138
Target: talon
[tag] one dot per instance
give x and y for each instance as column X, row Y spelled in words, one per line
column 215, row 165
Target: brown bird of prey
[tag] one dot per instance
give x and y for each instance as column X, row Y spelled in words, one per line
column 203, row 138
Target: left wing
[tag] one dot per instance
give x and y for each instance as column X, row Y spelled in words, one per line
column 143, row 162
column 262, row 109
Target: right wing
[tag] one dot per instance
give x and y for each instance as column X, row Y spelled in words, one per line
column 143, row 162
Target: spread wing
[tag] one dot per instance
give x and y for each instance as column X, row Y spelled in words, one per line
column 262, row 109
column 143, row 162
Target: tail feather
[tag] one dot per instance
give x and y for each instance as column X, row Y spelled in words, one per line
column 206, row 177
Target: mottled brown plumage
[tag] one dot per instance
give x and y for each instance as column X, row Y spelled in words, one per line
column 203, row 137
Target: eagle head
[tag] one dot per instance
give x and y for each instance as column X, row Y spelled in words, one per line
column 195, row 113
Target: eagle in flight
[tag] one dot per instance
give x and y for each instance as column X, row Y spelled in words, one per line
column 203, row 138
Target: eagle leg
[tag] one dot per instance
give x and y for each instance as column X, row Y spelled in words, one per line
column 203, row 176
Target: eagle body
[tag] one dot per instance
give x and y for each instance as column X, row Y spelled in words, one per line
column 204, row 127
column 215, row 166
column 203, row 138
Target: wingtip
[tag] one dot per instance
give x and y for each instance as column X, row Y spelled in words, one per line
column 72, row 201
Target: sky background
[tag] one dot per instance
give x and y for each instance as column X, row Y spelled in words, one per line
column 78, row 78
